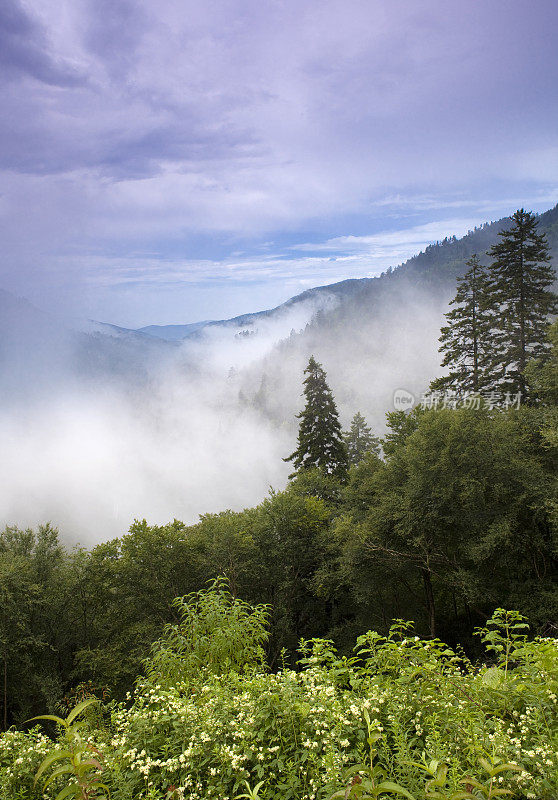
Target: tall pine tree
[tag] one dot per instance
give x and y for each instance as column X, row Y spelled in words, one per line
column 320, row 443
column 522, row 277
column 359, row 440
column 467, row 341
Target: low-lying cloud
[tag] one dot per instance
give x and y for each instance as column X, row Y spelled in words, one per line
column 124, row 426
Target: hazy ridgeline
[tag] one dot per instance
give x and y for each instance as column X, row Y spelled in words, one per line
column 100, row 425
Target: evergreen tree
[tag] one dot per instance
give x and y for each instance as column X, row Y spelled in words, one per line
column 320, row 443
column 359, row 439
column 522, row 277
column 542, row 373
column 467, row 340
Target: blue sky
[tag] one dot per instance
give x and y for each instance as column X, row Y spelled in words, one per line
column 175, row 161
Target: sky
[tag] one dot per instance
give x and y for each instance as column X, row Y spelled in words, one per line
column 177, row 161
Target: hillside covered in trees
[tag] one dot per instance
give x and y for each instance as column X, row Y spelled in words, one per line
column 380, row 334
column 242, row 627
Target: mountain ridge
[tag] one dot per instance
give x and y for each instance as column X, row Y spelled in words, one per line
column 441, row 261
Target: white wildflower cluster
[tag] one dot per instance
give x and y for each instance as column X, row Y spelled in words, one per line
column 20, row 757
column 292, row 728
column 300, row 731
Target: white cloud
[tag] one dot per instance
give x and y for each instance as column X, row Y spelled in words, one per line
column 254, row 121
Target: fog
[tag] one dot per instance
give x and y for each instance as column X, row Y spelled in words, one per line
column 98, row 428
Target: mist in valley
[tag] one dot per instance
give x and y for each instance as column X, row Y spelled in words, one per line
column 100, row 426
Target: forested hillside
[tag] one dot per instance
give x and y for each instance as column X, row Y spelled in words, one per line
column 381, row 336
column 218, row 659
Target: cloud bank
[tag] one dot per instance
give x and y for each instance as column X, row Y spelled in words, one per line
column 100, row 428
column 181, row 133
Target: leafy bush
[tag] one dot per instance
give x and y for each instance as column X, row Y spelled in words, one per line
column 21, row 755
column 409, row 713
column 217, row 632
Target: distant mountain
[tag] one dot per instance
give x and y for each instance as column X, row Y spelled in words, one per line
column 41, row 352
column 320, row 298
column 107, row 329
column 437, row 267
column 173, row 332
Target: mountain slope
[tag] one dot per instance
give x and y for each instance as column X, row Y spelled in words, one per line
column 437, row 266
column 381, row 337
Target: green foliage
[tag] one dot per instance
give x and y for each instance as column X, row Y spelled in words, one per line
column 467, row 341
column 21, row 754
column 251, row 794
column 458, row 516
column 436, row 787
column 400, row 425
column 78, row 764
column 289, row 534
column 542, row 373
column 217, row 633
column 368, row 781
column 316, row 483
column 501, row 313
column 360, row 440
column 32, row 593
column 320, row 443
column 505, row 631
column 522, row 279
column 405, row 717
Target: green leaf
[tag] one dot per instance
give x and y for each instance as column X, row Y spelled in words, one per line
column 68, row 791
column 420, row 766
column 52, row 717
column 493, row 677
column 394, row 788
column 504, row 767
column 51, row 759
column 441, row 774
column 64, row 770
column 473, row 782
column 79, row 708
column 463, row 796
column 486, row 765
column 86, row 766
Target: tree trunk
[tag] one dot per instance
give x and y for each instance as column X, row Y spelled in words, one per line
column 475, row 335
column 429, row 596
column 5, row 694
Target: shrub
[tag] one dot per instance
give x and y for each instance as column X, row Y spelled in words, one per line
column 409, row 713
